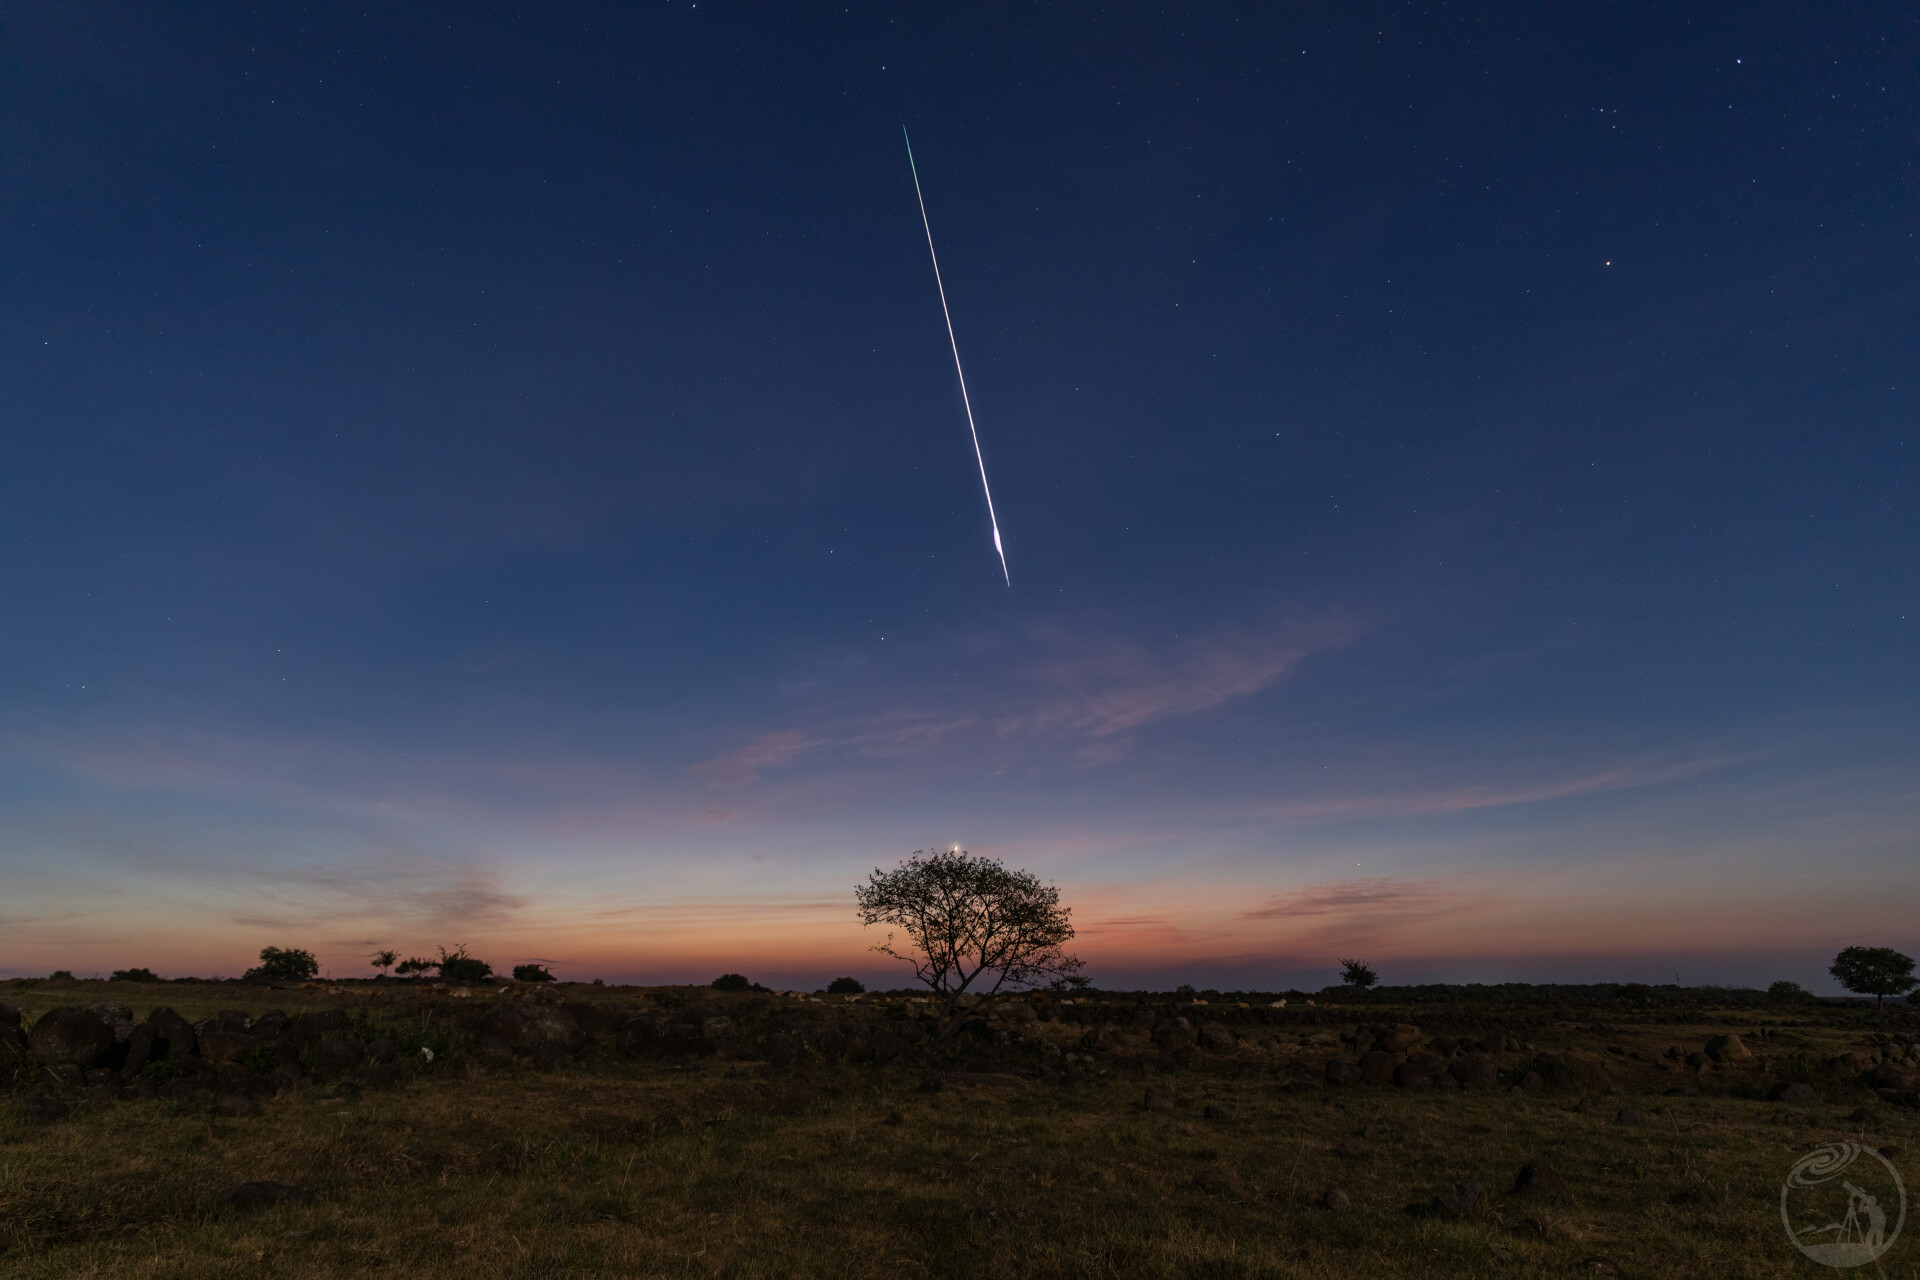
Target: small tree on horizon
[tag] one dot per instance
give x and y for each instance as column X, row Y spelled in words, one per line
column 457, row 966
column 532, row 973
column 732, row 982
column 846, row 987
column 284, row 964
column 412, row 965
column 1874, row 971
column 965, row 917
column 383, row 960
column 1358, row 973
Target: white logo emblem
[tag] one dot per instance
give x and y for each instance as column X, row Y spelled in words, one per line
column 1836, row 1204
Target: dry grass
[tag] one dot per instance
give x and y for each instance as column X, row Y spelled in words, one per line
column 513, row 1173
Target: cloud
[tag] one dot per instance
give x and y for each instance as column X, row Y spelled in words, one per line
column 768, row 751
column 1620, row 777
column 1361, row 898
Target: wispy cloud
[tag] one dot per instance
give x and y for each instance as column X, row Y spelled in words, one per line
column 767, row 751
column 1358, row 898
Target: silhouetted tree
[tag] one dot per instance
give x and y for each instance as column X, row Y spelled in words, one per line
column 1358, row 973
column 457, row 966
column 1874, row 971
column 283, row 964
column 531, row 973
column 846, row 987
column 965, row 917
column 732, row 982
column 135, row 975
column 383, row 960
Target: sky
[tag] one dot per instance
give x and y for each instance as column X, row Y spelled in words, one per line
column 473, row 474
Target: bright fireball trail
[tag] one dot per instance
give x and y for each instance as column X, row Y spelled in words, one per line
column 977, row 456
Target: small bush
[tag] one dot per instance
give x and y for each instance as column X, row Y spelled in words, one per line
column 732, row 982
column 1784, row 992
column 135, row 975
column 59, row 974
column 846, row 987
column 457, row 966
column 412, row 965
column 531, row 973
column 284, row 964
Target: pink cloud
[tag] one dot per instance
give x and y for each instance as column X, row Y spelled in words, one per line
column 768, row 751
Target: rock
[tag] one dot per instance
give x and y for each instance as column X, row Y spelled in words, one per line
column 1336, row 1200
column 1158, row 1100
column 492, row 1053
column 380, row 1075
column 1097, row 1040
column 1697, row 1060
column 163, row 1036
column 1462, row 1200
column 115, row 1015
column 1376, row 1067
column 1399, row 1038
column 225, row 1046
column 652, row 1038
column 551, row 1057
column 524, row 1026
column 237, row 1104
column 1532, row 1082
column 781, row 1049
column 1427, row 1064
column 1218, row 1111
column 715, row 1029
column 1212, row 1181
column 1340, row 1071
column 71, row 1036
column 383, row 1050
column 1218, row 1037
column 9, row 1017
column 1475, row 1071
column 338, row 1053
column 47, row 1110
column 1795, row 1091
column 1019, row 1011
column 1895, row 1075
column 1538, row 1177
column 271, row 1025
column 966, row 1000
column 186, row 1089
column 259, row 1195
column 1727, row 1048
column 885, row 1045
column 1631, row 1116
column 1173, row 1037
column 231, row 1020
column 1407, row 1076
column 1445, row 1046
column 317, row 1025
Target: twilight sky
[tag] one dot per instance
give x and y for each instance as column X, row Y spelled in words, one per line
column 493, row 474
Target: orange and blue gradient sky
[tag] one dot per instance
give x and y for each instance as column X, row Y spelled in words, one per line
column 497, row 478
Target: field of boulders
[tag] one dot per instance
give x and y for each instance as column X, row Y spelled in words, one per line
column 537, row 1129
column 372, row 1035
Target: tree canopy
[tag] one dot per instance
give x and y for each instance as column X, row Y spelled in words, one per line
column 1874, row 971
column 968, row 919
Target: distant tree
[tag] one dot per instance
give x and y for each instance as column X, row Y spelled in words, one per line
column 1358, row 973
column 1874, row 971
column 1185, row 991
column 383, row 961
column 966, row 918
column 531, row 973
column 283, row 964
column 1070, row 984
column 732, row 982
column 60, row 975
column 412, row 965
column 846, row 987
column 1785, row 992
column 135, row 975
column 457, row 966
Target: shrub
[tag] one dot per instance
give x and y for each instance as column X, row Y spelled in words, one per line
column 59, row 974
column 412, row 965
column 732, row 982
column 846, row 987
column 1786, row 992
column 531, row 973
column 1358, row 973
column 135, row 975
column 457, row 966
column 284, row 964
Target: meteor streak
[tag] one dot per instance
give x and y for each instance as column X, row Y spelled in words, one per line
column 954, row 342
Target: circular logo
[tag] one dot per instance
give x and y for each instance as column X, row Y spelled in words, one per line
column 1843, row 1205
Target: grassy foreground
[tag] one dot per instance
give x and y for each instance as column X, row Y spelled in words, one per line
column 610, row 1166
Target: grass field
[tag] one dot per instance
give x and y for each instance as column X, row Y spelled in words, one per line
column 611, row 1166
